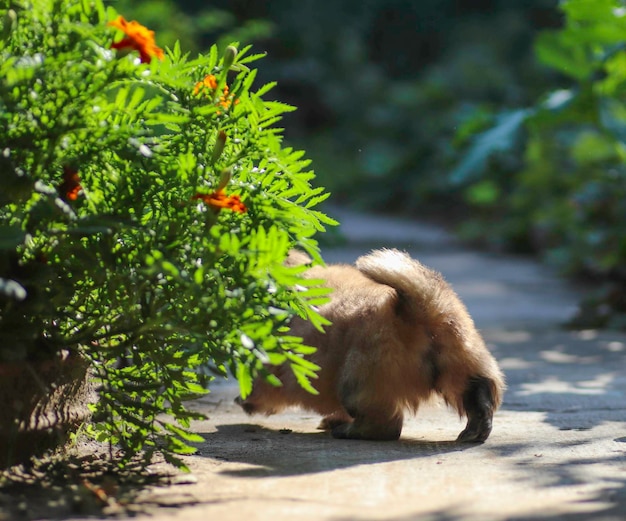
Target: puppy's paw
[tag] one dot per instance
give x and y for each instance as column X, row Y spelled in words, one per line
column 331, row 421
column 344, row 431
column 476, row 431
column 479, row 404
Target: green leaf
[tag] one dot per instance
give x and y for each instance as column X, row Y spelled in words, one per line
column 563, row 52
column 176, row 462
column 484, row 193
column 169, row 268
column 302, row 377
column 590, row 10
column 265, row 88
column 501, row 138
column 181, row 448
column 304, row 364
column 613, row 118
column 183, row 434
column 198, row 275
column 245, row 380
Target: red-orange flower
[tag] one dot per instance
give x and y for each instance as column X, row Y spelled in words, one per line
column 219, row 199
column 70, row 187
column 210, row 83
column 138, row 38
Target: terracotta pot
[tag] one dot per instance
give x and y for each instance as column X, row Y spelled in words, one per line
column 40, row 404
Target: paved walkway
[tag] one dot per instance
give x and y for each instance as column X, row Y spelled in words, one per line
column 557, row 451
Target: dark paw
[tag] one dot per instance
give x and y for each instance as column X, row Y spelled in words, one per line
column 475, row 432
column 479, row 405
column 343, row 431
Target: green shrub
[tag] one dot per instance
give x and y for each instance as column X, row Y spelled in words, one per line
column 568, row 198
column 148, row 205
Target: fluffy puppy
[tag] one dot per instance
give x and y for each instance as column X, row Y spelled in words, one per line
column 399, row 334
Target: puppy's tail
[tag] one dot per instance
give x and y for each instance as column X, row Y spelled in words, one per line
column 423, row 292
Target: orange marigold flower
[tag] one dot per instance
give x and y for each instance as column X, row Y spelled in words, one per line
column 70, row 187
column 219, row 199
column 138, row 38
column 210, row 82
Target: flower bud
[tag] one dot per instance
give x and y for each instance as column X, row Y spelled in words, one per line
column 9, row 23
column 229, row 56
column 219, row 146
column 224, row 179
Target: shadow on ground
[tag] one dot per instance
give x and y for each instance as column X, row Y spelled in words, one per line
column 309, row 453
column 86, row 483
column 581, row 464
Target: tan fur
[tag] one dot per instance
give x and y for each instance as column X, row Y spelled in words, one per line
column 399, row 333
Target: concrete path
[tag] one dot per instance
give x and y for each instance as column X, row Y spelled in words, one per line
column 557, row 451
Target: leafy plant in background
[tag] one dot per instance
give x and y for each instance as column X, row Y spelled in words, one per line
column 569, row 198
column 148, row 205
column 381, row 87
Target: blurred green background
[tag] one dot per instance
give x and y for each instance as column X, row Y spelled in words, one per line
column 505, row 119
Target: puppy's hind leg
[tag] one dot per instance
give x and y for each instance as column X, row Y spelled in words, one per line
column 373, row 419
column 479, row 404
